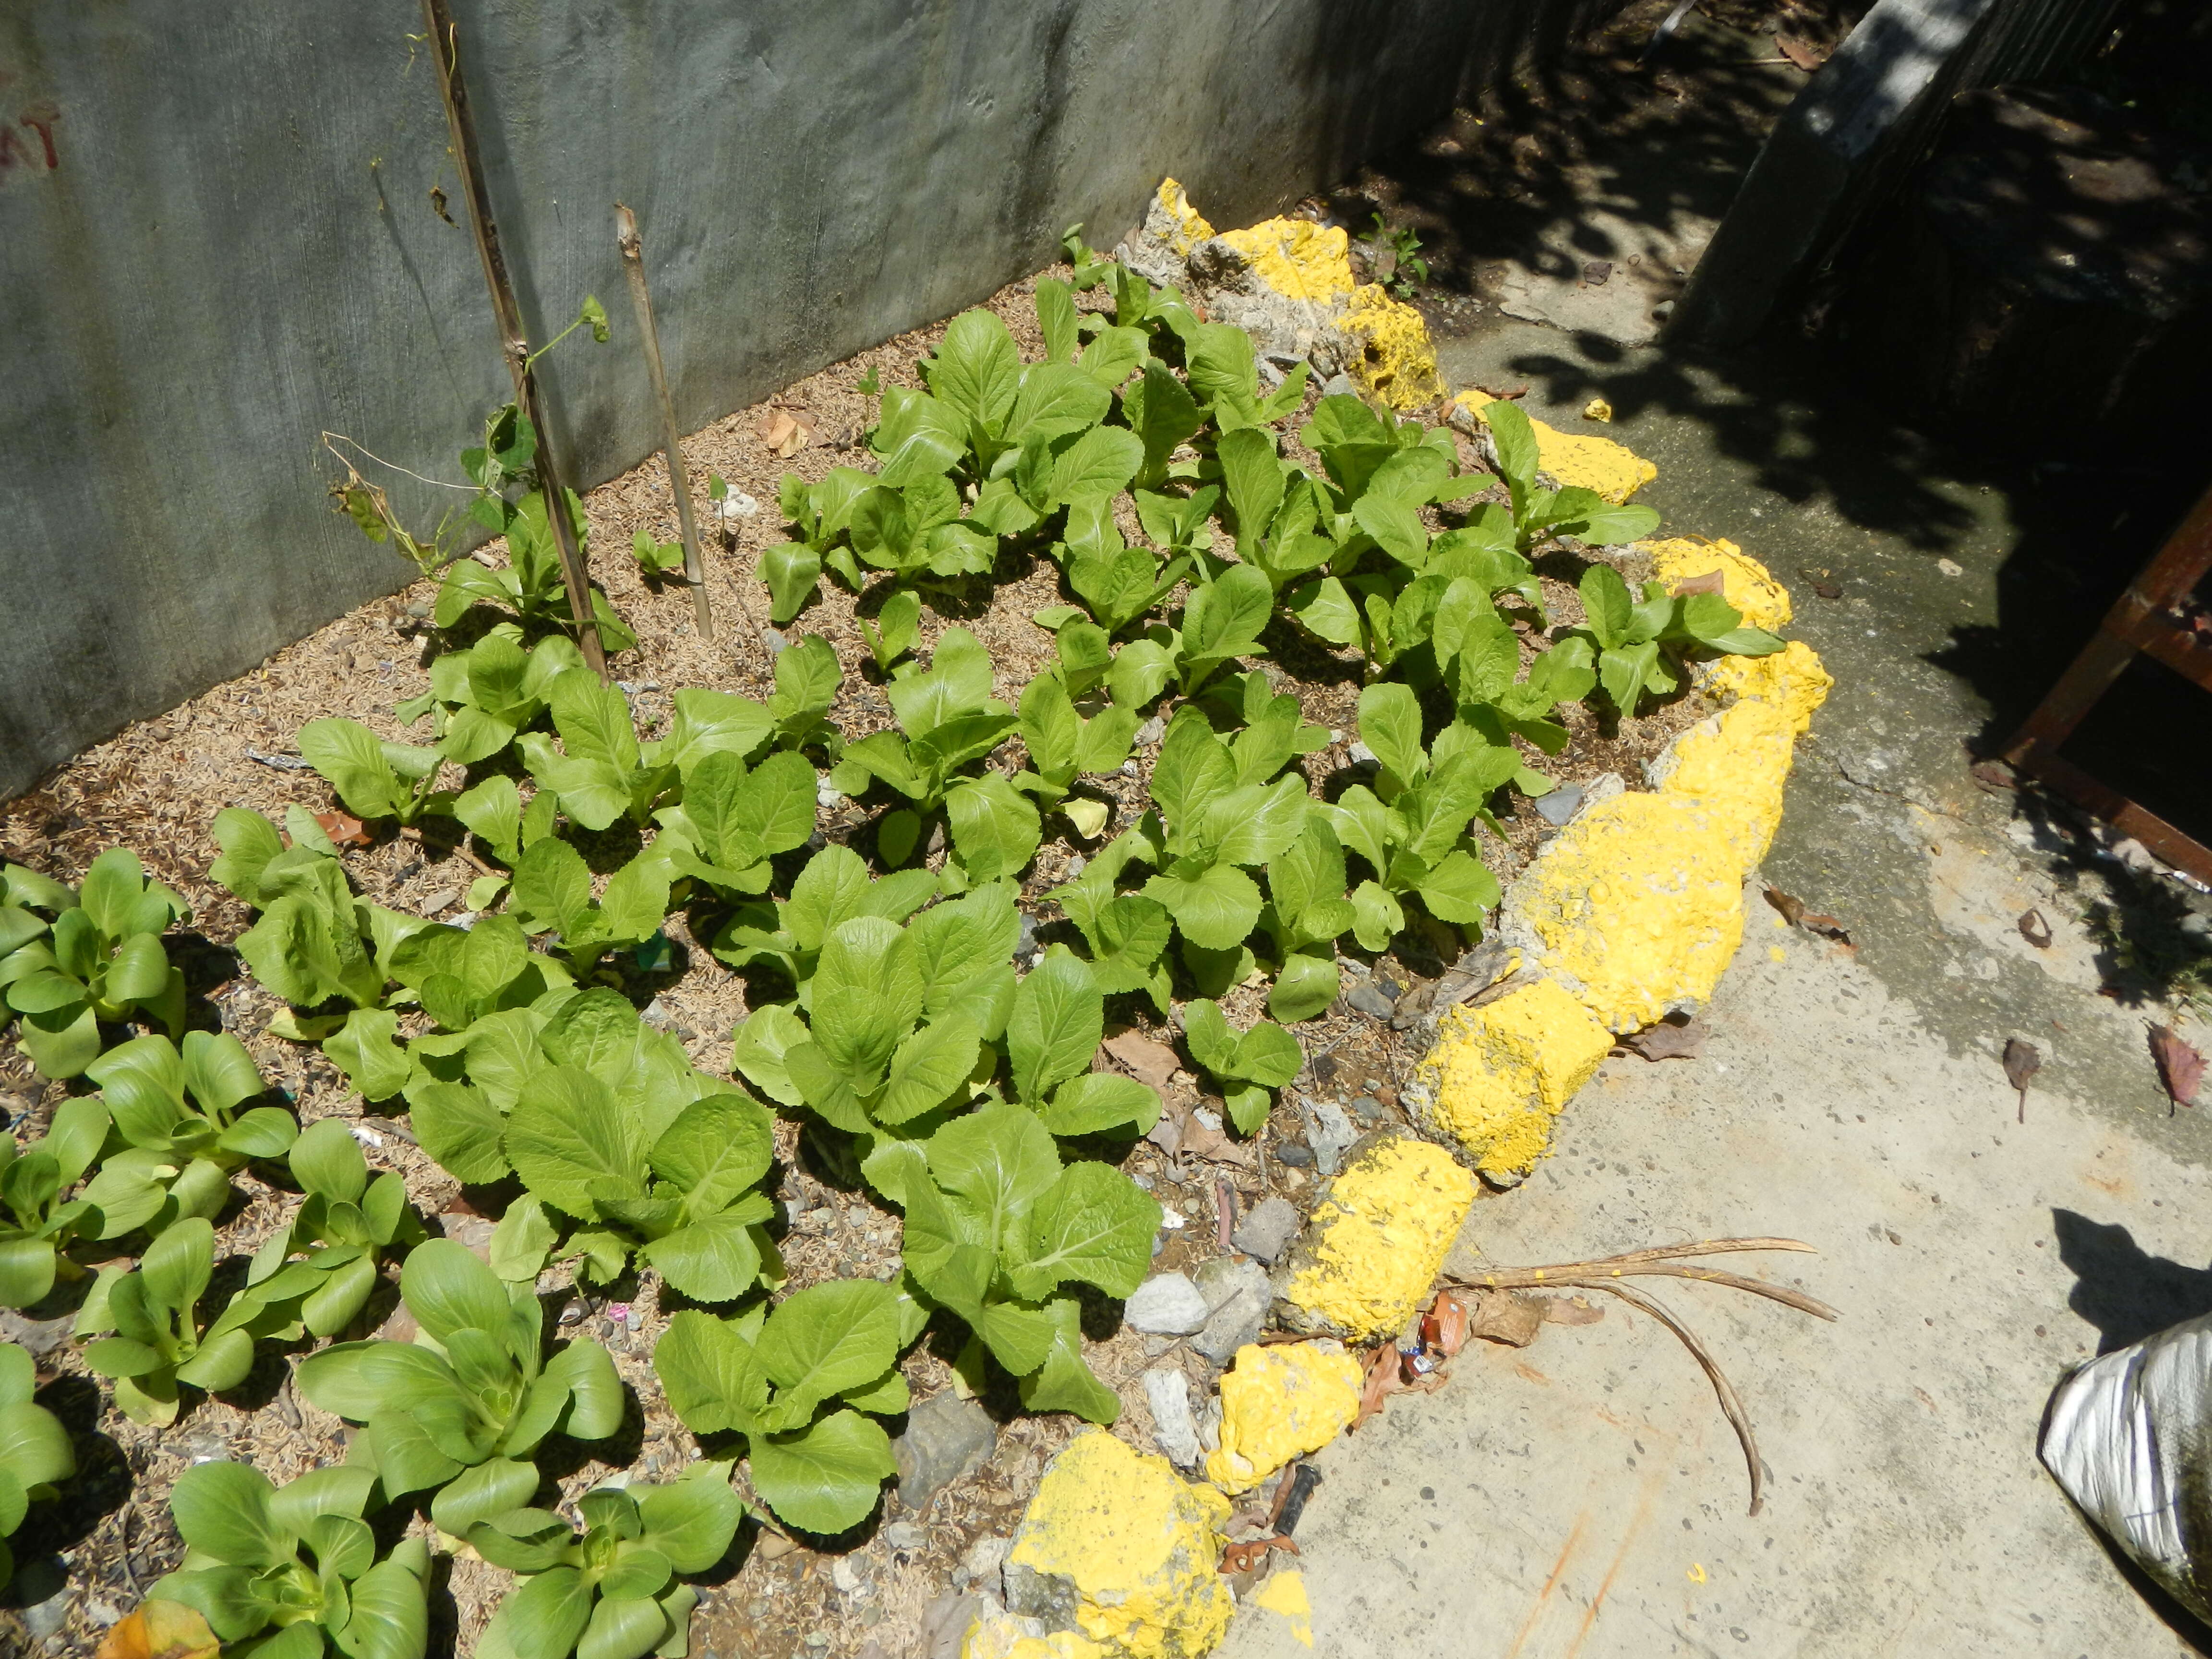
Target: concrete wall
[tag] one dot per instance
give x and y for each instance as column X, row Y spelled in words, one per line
column 217, row 239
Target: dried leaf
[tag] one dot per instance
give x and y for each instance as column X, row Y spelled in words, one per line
column 1571, row 1310
column 161, row 1630
column 787, row 431
column 1507, row 1316
column 1147, row 1061
column 1792, row 910
column 2035, row 930
column 1384, row 1378
column 1827, row 590
column 1711, row 582
column 1242, row 1558
column 343, row 829
column 1828, row 927
column 1805, row 54
column 1669, row 1040
column 1993, row 777
column 2022, row 1060
column 2180, row 1067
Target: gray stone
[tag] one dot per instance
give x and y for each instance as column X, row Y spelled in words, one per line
column 944, row 1624
column 39, row 1336
column 1328, row 1132
column 946, row 1437
column 1235, row 1322
column 1371, row 999
column 1166, row 1305
column 1296, row 1153
column 905, row 1535
column 45, row 1619
column 1224, row 1277
column 1367, row 1110
column 1174, row 1429
column 980, row 1561
column 1150, row 732
column 1361, row 755
column 1268, row 1231
column 1559, row 806
column 1339, row 385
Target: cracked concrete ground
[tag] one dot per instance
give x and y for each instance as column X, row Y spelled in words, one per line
column 1584, row 1496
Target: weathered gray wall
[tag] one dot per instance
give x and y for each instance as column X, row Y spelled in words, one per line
column 229, row 247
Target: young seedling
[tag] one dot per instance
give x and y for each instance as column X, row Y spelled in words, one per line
column 342, row 1225
column 733, row 820
column 682, row 1199
column 297, row 1561
column 1248, row 1066
column 1539, row 515
column 794, row 1385
column 1063, row 744
column 177, row 1114
column 1058, row 1021
column 36, row 1225
column 656, row 558
column 787, row 934
column 159, row 1344
column 891, row 633
column 479, row 698
column 610, row 1590
column 553, row 894
column 1643, row 648
column 462, row 1411
column 1306, row 913
column 994, row 1225
column 948, row 719
column 35, row 1453
column 102, row 960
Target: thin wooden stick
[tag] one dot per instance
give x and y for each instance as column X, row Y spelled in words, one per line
column 1536, row 1278
column 445, row 46
column 1731, row 1405
column 679, row 478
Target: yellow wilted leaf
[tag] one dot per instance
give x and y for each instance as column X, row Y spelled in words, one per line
column 161, row 1630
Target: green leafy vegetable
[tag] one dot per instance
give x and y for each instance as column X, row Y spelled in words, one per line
column 36, row 1225
column 342, row 1225
column 100, row 959
column 35, row 1453
column 1248, row 1066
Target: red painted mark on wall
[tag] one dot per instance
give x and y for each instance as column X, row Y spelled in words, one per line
column 27, row 141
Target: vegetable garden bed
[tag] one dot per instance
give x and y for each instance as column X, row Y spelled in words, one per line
column 1169, row 703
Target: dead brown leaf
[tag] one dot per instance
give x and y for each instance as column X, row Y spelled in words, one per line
column 1571, row 1310
column 1503, row 392
column 1805, row 54
column 343, row 829
column 1791, row 909
column 1827, row 590
column 161, row 1630
column 1385, row 1376
column 2180, row 1067
column 1242, row 1558
column 1993, row 777
column 2035, row 930
column 787, row 431
column 1667, row 1040
column 2022, row 1060
column 1711, row 582
column 1147, row 1061
column 1508, row 1316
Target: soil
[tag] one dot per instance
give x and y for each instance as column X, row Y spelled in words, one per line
column 157, row 787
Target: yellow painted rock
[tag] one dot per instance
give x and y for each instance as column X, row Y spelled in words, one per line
column 1118, row 1548
column 1612, row 470
column 1636, row 906
column 1373, row 1246
column 1171, row 219
column 1500, row 1073
column 1279, row 1403
column 1736, row 762
column 1393, row 361
column 1745, row 583
column 1792, row 679
column 1297, row 258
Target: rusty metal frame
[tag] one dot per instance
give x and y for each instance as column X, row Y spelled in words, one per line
column 2142, row 620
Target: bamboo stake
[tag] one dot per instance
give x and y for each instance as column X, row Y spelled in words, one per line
column 679, row 478
column 514, row 344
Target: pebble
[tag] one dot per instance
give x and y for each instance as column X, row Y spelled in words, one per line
column 44, row 1620
column 442, row 900
column 1151, row 730
column 1268, row 1230
column 846, row 1577
column 1296, row 1153
column 1367, row 1110
column 1174, row 1428
column 775, row 642
column 982, row 1560
column 1361, row 755
column 1371, row 999
column 1556, row 808
column 946, row 1437
column 905, row 1535
column 1167, row 1304
column 1328, row 1132
column 828, row 796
